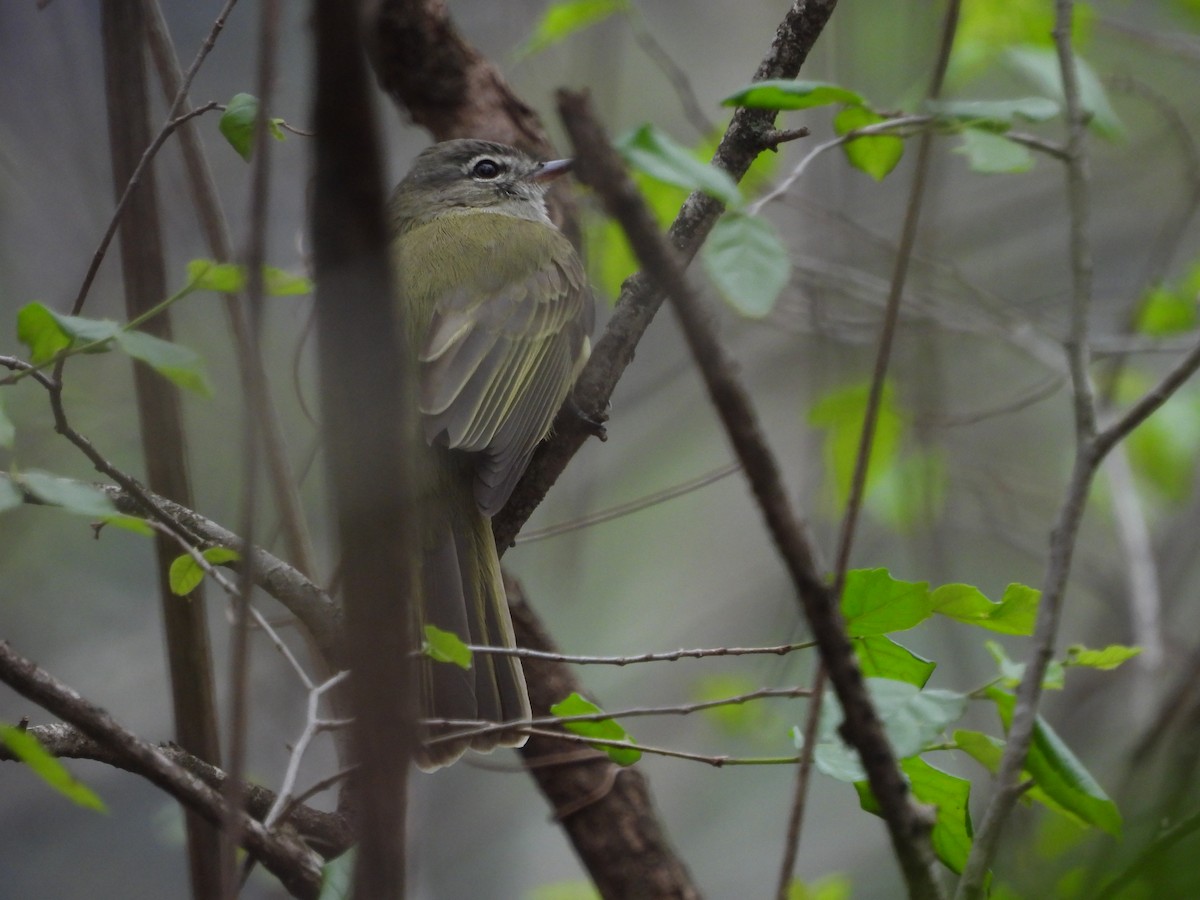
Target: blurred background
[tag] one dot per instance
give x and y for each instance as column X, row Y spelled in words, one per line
column 978, row 393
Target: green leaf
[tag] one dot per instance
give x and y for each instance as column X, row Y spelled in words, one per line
column 949, row 795
column 1016, row 612
column 1012, row 672
column 1059, row 773
column 446, row 647
column 237, row 124
column 182, row 366
column 209, row 275
column 275, row 129
column 993, row 154
column 841, row 412
column 565, row 890
column 10, row 495
column 912, row 718
column 8, row 431
column 185, row 574
column 72, row 496
column 40, row 332
column 564, row 19
column 29, row 750
column 881, row 657
column 782, row 94
column 987, row 751
column 831, row 887
column 1109, row 658
column 653, row 152
column 1164, row 312
column 995, row 114
column 738, row 719
column 278, row 283
column 877, row 154
column 48, row 333
column 875, row 603
column 747, row 262
column 911, row 492
column 989, row 27
column 337, row 877
column 1040, row 66
column 131, row 523
column 605, row 729
column 1163, row 449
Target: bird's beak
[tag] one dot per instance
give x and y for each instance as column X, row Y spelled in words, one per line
column 553, row 169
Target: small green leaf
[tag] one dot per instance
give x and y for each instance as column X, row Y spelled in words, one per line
column 1016, row 612
column 831, row 887
column 1059, row 772
column 337, row 876
column 29, row 750
column 1164, row 312
column 840, row 413
column 8, row 431
column 566, row 17
column 912, row 718
column 993, row 154
column 180, row 365
column 72, row 496
column 1040, row 65
column 911, row 492
column 949, row 795
column 875, row 603
column 747, row 262
column 131, row 523
column 653, row 152
column 275, row 129
column 781, row 94
column 237, row 124
column 1109, row 658
column 208, row 275
column 279, row 283
column 995, row 114
column 446, row 647
column 10, row 495
column 881, row 657
column 1012, row 672
column 565, row 890
column 876, row 154
column 605, row 729
column 40, row 332
column 185, row 574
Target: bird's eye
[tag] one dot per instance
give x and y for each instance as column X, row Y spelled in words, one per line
column 486, row 169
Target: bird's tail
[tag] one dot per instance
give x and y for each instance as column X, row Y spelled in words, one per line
column 464, row 594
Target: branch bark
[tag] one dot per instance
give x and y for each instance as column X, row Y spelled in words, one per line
column 160, row 416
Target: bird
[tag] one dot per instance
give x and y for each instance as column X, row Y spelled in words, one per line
column 495, row 308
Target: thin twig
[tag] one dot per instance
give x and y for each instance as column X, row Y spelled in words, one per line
column 717, row 762
column 474, row 727
column 625, row 509
column 791, row 847
column 667, row 656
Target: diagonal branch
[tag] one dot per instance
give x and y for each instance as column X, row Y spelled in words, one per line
column 600, row 168
column 296, row 866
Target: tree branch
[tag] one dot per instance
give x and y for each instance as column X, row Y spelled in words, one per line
column 600, row 168
column 296, row 866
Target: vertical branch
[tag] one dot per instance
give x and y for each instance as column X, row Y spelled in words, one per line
column 1088, row 454
column 369, row 420
column 254, row 412
column 159, row 413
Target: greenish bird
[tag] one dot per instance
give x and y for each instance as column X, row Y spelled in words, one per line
column 496, row 310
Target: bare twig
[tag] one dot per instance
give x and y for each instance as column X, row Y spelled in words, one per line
column 717, row 762
column 791, row 846
column 668, row 656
